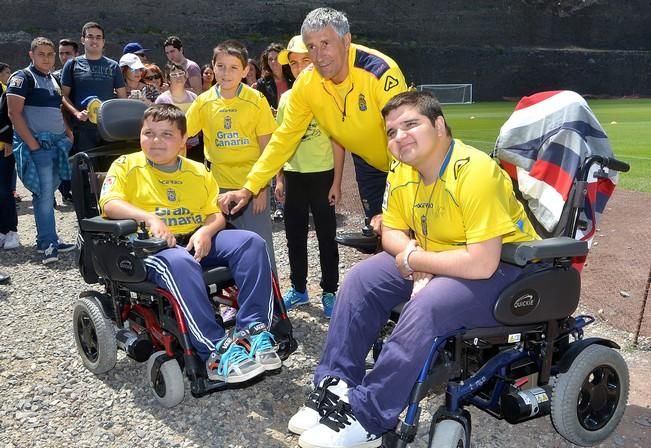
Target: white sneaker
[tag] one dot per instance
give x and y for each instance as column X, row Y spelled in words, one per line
column 11, row 240
column 324, row 396
column 339, row 428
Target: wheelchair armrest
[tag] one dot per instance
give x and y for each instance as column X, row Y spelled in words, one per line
column 550, row 248
column 115, row 227
column 366, row 243
column 148, row 246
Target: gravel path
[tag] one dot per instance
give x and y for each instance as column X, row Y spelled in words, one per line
column 50, row 399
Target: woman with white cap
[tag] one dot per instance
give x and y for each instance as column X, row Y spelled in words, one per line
column 132, row 71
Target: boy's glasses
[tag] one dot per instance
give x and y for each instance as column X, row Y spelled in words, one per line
column 177, row 75
column 152, row 77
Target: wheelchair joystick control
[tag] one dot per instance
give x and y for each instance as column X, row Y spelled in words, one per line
column 367, row 230
column 143, row 233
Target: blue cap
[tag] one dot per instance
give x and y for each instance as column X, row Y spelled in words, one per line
column 134, row 47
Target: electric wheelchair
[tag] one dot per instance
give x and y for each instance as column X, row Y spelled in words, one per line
column 538, row 362
column 127, row 312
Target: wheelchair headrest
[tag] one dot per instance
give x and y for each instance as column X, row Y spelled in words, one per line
column 120, row 119
column 543, row 146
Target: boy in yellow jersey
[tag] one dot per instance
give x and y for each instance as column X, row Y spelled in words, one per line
column 237, row 123
column 310, row 180
column 176, row 198
column 447, row 210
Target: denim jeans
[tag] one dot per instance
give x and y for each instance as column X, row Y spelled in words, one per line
column 45, row 161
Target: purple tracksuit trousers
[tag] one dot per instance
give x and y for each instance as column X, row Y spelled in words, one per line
column 245, row 253
column 364, row 301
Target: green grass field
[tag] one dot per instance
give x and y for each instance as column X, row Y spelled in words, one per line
column 627, row 123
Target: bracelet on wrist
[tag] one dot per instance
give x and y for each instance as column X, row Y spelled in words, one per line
column 405, row 260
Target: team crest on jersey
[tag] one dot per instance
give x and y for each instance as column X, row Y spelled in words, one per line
column 16, row 82
column 171, row 195
column 227, row 122
column 362, row 102
column 107, row 185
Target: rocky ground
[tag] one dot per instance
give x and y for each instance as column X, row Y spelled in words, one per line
column 50, row 399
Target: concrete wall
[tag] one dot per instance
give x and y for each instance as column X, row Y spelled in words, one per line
column 505, row 48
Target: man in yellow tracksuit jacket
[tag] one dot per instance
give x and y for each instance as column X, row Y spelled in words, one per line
column 345, row 90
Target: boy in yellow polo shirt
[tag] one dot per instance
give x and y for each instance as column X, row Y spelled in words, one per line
column 237, row 123
column 447, row 210
column 176, row 198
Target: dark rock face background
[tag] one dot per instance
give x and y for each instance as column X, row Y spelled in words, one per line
column 505, row 48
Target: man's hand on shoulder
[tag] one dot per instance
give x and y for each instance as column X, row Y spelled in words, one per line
column 237, row 199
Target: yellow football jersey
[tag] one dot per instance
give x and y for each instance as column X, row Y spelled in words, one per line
column 471, row 201
column 231, row 128
column 349, row 113
column 182, row 199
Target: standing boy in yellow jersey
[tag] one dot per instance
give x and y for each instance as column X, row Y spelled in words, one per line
column 310, row 181
column 447, row 210
column 237, row 123
column 176, row 198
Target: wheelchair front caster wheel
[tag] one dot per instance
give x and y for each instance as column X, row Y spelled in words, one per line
column 588, row 401
column 165, row 379
column 94, row 336
column 448, row 434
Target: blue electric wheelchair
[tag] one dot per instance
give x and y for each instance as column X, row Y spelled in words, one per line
column 538, row 362
column 129, row 313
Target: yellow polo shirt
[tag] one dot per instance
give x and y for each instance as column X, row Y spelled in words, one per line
column 471, row 201
column 350, row 114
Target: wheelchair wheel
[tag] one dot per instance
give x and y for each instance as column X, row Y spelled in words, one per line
column 166, row 379
column 447, row 434
column 589, row 400
column 94, row 336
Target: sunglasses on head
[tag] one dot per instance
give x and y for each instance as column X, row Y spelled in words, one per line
column 152, row 77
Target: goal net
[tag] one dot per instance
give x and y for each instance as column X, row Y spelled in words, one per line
column 450, row 93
